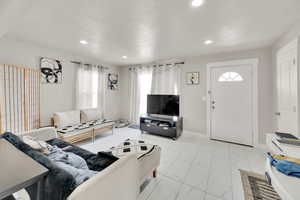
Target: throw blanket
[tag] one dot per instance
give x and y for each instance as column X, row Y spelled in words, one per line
column 72, row 163
column 284, row 166
column 59, row 183
column 95, row 162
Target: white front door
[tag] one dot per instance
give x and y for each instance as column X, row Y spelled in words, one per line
column 287, row 95
column 232, row 103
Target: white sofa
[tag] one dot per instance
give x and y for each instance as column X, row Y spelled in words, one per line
column 118, row 181
column 76, row 125
column 74, row 117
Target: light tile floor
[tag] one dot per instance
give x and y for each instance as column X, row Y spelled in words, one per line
column 193, row 167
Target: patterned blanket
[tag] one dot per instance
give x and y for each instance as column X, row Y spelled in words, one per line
column 82, row 126
column 138, row 147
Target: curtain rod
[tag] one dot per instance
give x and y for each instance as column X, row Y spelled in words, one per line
column 75, row 62
column 159, row 65
column 87, row 64
column 178, row 63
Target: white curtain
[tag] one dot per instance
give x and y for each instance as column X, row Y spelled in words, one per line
column 166, row 79
column 140, row 87
column 102, row 91
column 133, row 95
column 146, row 80
column 90, row 87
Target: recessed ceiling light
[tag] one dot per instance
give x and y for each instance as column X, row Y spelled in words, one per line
column 197, row 3
column 83, row 42
column 208, row 42
column 124, row 57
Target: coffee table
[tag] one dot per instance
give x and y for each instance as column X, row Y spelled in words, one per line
column 103, row 127
column 85, row 131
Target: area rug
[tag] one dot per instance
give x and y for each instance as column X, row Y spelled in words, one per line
column 256, row 187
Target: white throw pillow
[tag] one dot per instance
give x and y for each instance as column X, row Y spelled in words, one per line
column 41, row 146
column 69, row 118
column 90, row 114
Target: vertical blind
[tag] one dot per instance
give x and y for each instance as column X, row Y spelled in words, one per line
column 19, row 98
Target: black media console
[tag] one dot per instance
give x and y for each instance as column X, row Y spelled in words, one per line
column 169, row 127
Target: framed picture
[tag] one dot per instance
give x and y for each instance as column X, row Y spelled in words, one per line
column 192, row 78
column 113, row 81
column 51, row 71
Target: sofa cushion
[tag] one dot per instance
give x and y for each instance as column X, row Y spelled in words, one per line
column 38, row 145
column 70, row 118
column 90, row 114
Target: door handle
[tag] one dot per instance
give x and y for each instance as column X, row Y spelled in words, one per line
column 213, row 105
column 277, row 113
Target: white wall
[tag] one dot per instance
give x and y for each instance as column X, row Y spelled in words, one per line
column 193, row 105
column 58, row 97
column 54, row 97
column 113, row 98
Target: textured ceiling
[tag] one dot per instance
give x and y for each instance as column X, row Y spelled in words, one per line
column 149, row 30
column 10, row 13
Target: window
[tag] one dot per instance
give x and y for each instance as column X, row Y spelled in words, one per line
column 230, row 77
column 87, row 87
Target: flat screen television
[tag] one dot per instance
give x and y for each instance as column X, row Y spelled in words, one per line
column 163, row 105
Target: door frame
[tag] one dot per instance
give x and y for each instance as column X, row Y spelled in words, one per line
column 287, row 47
column 254, row 63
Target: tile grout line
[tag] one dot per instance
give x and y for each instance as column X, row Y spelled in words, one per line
column 183, row 183
column 164, row 176
column 190, row 167
column 209, row 173
column 221, row 196
column 152, row 190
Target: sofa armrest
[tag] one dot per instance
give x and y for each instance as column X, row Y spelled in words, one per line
column 44, row 134
column 118, row 181
column 148, row 163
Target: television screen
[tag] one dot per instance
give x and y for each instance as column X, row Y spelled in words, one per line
column 163, row 105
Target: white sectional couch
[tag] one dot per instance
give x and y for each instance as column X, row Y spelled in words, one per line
column 118, row 181
column 121, row 180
